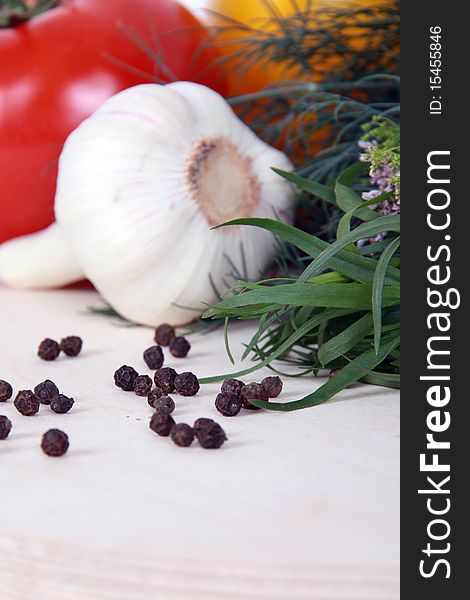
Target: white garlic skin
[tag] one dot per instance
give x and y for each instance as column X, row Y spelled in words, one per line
column 141, row 182
column 123, row 199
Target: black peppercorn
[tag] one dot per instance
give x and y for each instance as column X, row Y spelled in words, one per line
column 46, row 391
column 165, row 379
column 161, row 422
column 179, row 347
column 253, row 391
column 273, row 385
column 154, row 395
column 71, row 345
column 142, row 385
column 233, row 386
column 6, row 391
column 228, row 404
column 209, row 433
column 55, row 442
column 182, row 434
column 164, row 334
column 153, row 357
column 62, row 404
column 186, row 384
column 125, row 377
column 5, row 427
column 164, row 403
column 48, row 349
column 202, row 422
column 26, row 403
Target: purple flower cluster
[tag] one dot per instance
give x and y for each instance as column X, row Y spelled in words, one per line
column 384, row 175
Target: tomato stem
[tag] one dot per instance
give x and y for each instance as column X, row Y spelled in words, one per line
column 15, row 12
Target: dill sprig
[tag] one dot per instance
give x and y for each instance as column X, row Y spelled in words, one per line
column 316, row 43
column 343, row 67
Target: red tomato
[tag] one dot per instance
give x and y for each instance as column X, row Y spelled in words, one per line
column 58, row 68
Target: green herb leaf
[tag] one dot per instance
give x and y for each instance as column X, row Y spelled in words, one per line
column 366, row 230
column 329, row 295
column 350, row 175
column 377, row 287
column 359, row 268
column 344, row 225
column 343, row 342
column 324, row 192
column 352, row 372
column 391, row 380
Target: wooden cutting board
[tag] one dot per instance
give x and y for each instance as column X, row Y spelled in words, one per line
column 301, row 505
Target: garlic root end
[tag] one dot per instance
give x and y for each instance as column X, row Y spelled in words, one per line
column 40, row 260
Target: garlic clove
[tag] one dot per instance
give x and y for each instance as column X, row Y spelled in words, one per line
column 40, row 260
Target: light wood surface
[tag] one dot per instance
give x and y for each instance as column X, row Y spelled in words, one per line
column 301, row 505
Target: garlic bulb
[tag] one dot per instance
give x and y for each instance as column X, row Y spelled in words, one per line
column 141, row 182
